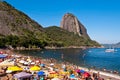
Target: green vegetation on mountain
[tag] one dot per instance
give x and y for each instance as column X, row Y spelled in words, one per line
column 52, row 36
column 60, row 37
column 19, row 30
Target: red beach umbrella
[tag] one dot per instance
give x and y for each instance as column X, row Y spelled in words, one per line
column 86, row 74
column 52, row 72
column 1, row 52
column 77, row 70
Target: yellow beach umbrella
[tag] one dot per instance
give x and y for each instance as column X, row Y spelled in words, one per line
column 14, row 68
column 35, row 68
column 64, row 72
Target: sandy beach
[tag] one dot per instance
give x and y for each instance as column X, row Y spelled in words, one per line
column 105, row 75
column 50, row 65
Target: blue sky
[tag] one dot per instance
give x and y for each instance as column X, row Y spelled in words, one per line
column 100, row 17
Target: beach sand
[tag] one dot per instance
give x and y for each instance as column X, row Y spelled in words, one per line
column 104, row 75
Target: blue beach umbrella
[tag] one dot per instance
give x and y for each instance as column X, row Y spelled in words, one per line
column 72, row 76
column 82, row 71
column 2, row 56
column 41, row 73
column 42, row 65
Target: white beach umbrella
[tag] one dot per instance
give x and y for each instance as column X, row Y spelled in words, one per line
column 26, row 63
column 21, row 61
column 32, row 62
column 37, row 61
column 8, row 71
column 52, row 64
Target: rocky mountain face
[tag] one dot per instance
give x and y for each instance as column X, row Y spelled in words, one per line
column 14, row 22
column 72, row 24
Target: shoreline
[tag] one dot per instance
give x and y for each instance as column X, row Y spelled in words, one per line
column 48, row 47
column 105, row 74
column 74, row 47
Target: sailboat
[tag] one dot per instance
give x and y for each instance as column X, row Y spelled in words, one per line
column 110, row 50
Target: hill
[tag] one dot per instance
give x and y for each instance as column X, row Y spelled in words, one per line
column 108, row 45
column 19, row 30
column 15, row 22
column 117, row 45
column 61, row 37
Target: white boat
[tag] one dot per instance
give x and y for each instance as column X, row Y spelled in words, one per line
column 110, row 50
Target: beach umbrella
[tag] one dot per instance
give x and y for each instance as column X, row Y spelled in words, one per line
column 37, row 61
column 64, row 72
column 72, row 76
column 86, row 74
column 42, row 65
column 14, row 68
column 7, row 71
column 78, row 70
column 35, row 68
column 22, row 76
column 33, row 63
column 2, row 56
column 1, row 52
column 21, row 61
column 82, row 71
column 26, row 63
column 52, row 72
column 41, row 73
column 52, row 64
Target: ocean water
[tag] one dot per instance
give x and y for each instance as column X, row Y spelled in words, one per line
column 95, row 58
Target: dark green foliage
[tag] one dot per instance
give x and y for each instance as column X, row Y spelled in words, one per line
column 52, row 37
column 11, row 40
column 2, row 42
column 21, row 41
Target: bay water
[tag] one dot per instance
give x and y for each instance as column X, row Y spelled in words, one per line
column 95, row 58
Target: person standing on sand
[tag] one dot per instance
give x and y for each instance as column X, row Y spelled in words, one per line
column 62, row 56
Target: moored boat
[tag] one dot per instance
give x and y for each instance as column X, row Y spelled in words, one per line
column 110, row 50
